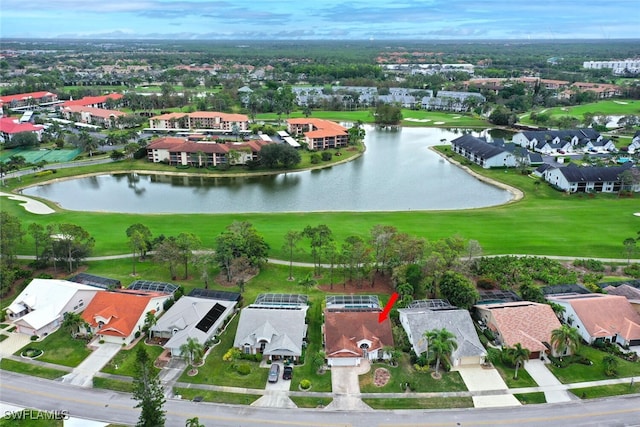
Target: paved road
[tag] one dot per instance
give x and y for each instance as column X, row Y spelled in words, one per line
column 114, row 407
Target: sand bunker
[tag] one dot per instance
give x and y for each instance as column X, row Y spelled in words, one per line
column 30, row 205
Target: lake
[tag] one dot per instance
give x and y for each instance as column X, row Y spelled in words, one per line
column 398, row 172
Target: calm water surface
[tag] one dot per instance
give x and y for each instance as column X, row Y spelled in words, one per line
column 397, row 173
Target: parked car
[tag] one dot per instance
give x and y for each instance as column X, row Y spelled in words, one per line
column 287, row 373
column 274, row 373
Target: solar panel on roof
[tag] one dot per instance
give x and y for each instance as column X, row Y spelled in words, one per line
column 210, row 318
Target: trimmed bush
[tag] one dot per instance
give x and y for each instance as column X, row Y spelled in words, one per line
column 305, row 384
column 243, row 369
column 43, row 173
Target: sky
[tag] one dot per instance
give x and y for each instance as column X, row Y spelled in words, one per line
column 321, row 19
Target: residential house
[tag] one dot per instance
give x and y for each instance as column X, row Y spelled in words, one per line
column 201, row 121
column 421, row 317
column 483, row 153
column 10, row 127
column 601, row 318
column 40, row 307
column 118, row 316
column 353, row 336
column 549, row 141
column 574, row 179
column 526, row 323
column 319, row 134
column 96, row 116
column 192, row 317
column 635, row 143
column 452, row 101
column 273, row 326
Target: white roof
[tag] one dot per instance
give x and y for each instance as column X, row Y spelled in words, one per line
column 185, row 314
column 46, row 298
column 265, row 137
column 292, row 142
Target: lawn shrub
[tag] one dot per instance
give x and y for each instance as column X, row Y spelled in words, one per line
column 486, row 283
column 326, row 156
column 43, row 173
column 590, row 264
column 243, row 369
column 305, row 384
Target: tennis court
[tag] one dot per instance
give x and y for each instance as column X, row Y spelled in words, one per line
column 34, row 156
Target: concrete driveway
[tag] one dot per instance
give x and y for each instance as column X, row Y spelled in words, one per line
column 83, row 374
column 554, row 390
column 276, row 394
column 346, row 388
column 14, row 343
column 480, row 379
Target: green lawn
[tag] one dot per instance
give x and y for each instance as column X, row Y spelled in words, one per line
column 311, row 402
column 3, row 337
column 507, row 373
column 421, row 403
column 218, row 372
column 605, row 391
column 126, row 359
column 618, row 107
column 29, row 369
column 61, row 349
column 577, row 372
column 110, row 384
column 419, row 381
column 216, row 396
column 531, row 398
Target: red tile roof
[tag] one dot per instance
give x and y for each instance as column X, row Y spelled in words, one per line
column 527, row 323
column 121, row 309
column 98, row 112
column 92, row 100
column 343, row 330
column 182, row 145
column 23, row 96
column 11, row 126
column 605, row 315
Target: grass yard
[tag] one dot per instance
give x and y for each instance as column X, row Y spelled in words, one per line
column 126, row 359
column 507, row 372
column 576, row 372
column 29, row 369
column 216, row 396
column 531, row 398
column 605, row 391
column 110, row 384
column 420, row 403
column 311, row 402
column 3, row 337
column 218, row 372
column 61, row 349
column 420, row 382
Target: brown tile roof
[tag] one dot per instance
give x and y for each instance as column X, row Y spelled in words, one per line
column 98, row 112
column 122, row 309
column 626, row 291
column 605, row 315
column 91, row 100
column 527, row 323
column 321, row 128
column 175, row 144
column 343, row 330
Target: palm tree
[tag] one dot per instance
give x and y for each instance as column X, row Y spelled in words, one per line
column 73, row 322
column 610, row 363
column 565, row 338
column 192, row 350
column 308, row 281
column 149, row 321
column 518, row 355
column 441, row 344
column 193, row 422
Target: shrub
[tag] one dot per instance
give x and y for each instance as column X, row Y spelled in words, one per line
column 34, row 337
column 44, row 276
column 305, row 384
column 258, row 357
column 326, row 156
column 419, row 368
column 315, row 158
column 243, row 369
column 182, row 166
column 489, row 334
column 137, row 334
column 632, row 270
column 231, row 355
column 486, row 283
column 43, row 173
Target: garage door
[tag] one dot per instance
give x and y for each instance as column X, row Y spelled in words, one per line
column 474, row 360
column 344, row 361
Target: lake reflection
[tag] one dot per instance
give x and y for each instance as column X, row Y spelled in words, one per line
column 397, row 173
